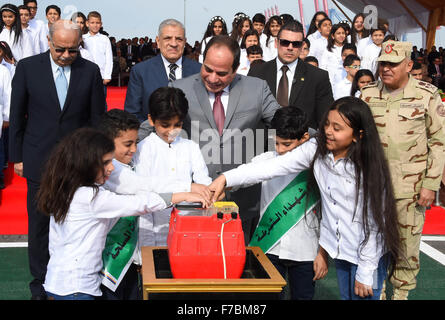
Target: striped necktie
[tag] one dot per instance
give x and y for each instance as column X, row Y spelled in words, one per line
column 172, row 74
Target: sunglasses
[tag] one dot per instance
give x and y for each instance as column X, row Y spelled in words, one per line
column 286, row 43
column 62, row 50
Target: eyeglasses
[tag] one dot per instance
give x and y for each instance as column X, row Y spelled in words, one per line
column 354, row 67
column 62, row 50
column 295, row 44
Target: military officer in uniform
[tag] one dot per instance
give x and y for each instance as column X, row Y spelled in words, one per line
column 409, row 117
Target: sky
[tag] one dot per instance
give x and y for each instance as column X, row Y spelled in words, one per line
column 131, row 18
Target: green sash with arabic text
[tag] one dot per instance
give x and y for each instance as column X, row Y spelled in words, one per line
column 284, row 212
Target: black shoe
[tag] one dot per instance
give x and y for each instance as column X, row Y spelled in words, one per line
column 38, row 298
column 2, row 184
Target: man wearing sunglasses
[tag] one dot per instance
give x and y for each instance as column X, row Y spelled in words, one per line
column 291, row 80
column 53, row 94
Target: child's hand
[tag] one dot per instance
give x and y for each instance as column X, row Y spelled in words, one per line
column 202, row 190
column 196, row 197
column 320, row 264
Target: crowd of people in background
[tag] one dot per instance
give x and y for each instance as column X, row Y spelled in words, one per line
column 334, row 61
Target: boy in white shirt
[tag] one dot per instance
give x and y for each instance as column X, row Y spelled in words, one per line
column 176, row 163
column 33, row 34
column 296, row 252
column 5, row 99
column 99, row 46
column 372, row 50
column 121, row 263
column 351, row 64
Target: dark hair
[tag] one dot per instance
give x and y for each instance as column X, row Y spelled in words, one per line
column 365, row 32
column 308, row 42
column 94, row 14
column 259, row 17
column 267, row 26
column 236, row 31
column 290, row 123
column 53, row 6
column 209, row 30
column 349, row 46
column 358, row 75
column 116, row 121
column 250, row 32
column 257, row 62
column 350, row 58
column 323, row 20
column 26, row 2
column 311, row 59
column 23, row 7
column 79, row 14
column 75, row 162
column 293, row 26
column 17, row 26
column 371, row 173
column 416, row 66
column 390, row 37
column 285, row 17
column 167, row 103
column 228, row 42
column 312, row 26
column 255, row 49
column 7, row 52
column 331, row 41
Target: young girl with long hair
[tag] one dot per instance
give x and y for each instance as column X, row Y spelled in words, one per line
column 271, row 30
column 318, row 46
column 362, row 78
column 358, row 30
column 359, row 218
column 11, row 32
column 82, row 212
column 313, row 33
column 243, row 24
column 217, row 26
column 331, row 59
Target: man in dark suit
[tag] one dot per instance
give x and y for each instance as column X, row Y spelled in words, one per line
column 227, row 114
column 303, row 85
column 436, row 70
column 149, row 75
column 53, row 94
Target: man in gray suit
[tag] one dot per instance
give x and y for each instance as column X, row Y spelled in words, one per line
column 227, row 117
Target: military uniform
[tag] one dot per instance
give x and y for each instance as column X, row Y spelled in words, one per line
column 410, row 126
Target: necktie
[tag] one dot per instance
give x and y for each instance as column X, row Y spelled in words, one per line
column 172, row 74
column 61, row 86
column 218, row 112
column 283, row 88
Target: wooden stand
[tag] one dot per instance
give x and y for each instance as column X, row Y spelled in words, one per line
column 260, row 279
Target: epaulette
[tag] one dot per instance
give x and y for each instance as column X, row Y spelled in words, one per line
column 427, row 86
column 370, row 85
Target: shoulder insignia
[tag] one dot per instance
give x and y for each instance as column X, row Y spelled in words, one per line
column 371, row 85
column 426, row 86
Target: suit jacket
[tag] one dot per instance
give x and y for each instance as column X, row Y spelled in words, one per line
column 432, row 70
column 146, row 77
column 37, row 122
column 311, row 90
column 251, row 104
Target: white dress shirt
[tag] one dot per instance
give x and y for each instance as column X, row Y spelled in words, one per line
column 332, row 62
column 318, row 47
column 290, row 74
column 178, row 71
column 342, row 89
column 341, row 229
column 270, row 52
column 76, row 245
column 34, row 37
column 175, row 166
column 20, row 49
column 41, row 28
column 369, row 57
column 5, row 94
column 99, row 46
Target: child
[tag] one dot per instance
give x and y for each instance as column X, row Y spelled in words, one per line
column 5, row 99
column 11, row 32
column 217, row 26
column 99, row 46
column 82, row 212
column 294, row 250
column 362, row 78
column 331, row 59
column 343, row 88
column 258, row 22
column 359, row 218
column 311, row 60
column 372, row 51
column 319, row 45
column 250, row 38
column 33, row 35
column 176, row 163
column 271, row 30
column 123, row 267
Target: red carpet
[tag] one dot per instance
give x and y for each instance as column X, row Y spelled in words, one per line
column 13, row 216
